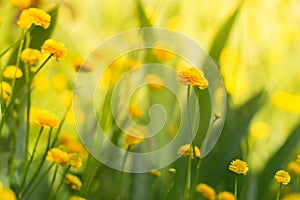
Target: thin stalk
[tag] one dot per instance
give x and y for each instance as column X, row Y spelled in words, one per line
column 199, row 162
column 62, row 180
column 38, row 182
column 236, row 187
column 122, row 173
column 52, row 182
column 30, row 160
column 170, row 185
column 13, row 156
column 278, row 193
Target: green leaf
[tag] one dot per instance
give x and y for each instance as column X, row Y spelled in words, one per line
column 275, row 162
column 144, row 21
column 222, row 36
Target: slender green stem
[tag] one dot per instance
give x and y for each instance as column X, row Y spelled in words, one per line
column 236, row 187
column 52, row 182
column 170, row 185
column 62, row 179
column 122, row 173
column 30, row 160
column 199, row 162
column 278, row 193
column 38, row 182
column 13, row 156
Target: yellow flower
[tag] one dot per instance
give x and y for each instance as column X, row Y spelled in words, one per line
column 298, row 159
column 7, row 194
column 155, row 173
column 76, row 198
column 6, row 89
column 135, row 136
column 46, row 118
column 30, row 56
column 59, row 156
column 135, row 111
column 225, row 196
column 192, row 76
column 287, row 101
column 74, row 182
column 154, row 81
column 75, row 160
column 162, row 52
column 260, row 130
column 206, row 191
column 41, row 82
column 34, row 16
column 294, row 168
column 22, row 4
column 293, row 196
column 12, row 72
column 238, row 166
column 185, row 151
column 282, row 177
column 58, row 49
column 79, row 64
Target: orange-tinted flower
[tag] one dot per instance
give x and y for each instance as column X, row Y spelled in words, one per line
column 192, row 76
column 185, row 151
column 58, row 49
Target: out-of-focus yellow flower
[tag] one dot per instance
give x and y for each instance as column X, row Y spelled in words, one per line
column 206, row 191
column 46, row 118
column 6, row 194
column 30, row 56
column 161, row 50
column 192, row 76
column 75, row 160
column 229, row 59
column 74, row 182
column 58, row 49
column 59, row 81
column 154, row 81
column 22, row 4
column 238, row 166
column 34, row 16
column 287, row 101
column 69, row 141
column 298, row 159
column 174, row 23
column 294, row 168
column 282, row 177
column 135, row 111
column 155, row 173
column 6, row 89
column 225, row 196
column 293, row 196
column 79, row 64
column 41, row 82
column 134, row 137
column 12, row 72
column 184, row 151
column 260, row 130
column 58, row 156
column 76, row 198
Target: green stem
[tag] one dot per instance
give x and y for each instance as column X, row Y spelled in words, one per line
column 30, row 160
column 62, row 180
column 38, row 182
column 122, row 174
column 236, row 187
column 52, row 182
column 199, row 162
column 170, row 185
column 13, row 156
column 278, row 193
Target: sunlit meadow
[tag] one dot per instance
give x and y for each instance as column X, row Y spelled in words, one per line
column 44, row 47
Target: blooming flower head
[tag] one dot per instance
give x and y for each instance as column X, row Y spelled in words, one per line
column 5, row 90
column 294, row 168
column 74, row 182
column 58, row 156
column 282, row 177
column 76, row 198
column 7, row 194
column 30, row 56
column 135, row 136
column 75, row 160
column 206, row 191
column 12, row 72
column 185, row 151
column 155, row 173
column 46, row 118
column 58, row 49
column 238, row 166
column 34, row 16
column 22, row 4
column 135, row 111
column 192, row 76
column 225, row 196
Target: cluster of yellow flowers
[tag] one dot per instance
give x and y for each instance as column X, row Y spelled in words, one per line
column 185, row 150
column 209, row 193
column 63, row 158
